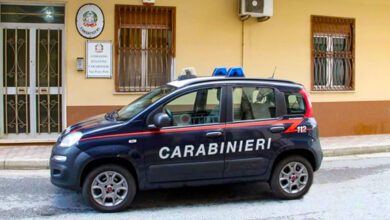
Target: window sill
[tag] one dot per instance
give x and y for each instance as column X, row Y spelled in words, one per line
column 332, row 91
column 129, row 93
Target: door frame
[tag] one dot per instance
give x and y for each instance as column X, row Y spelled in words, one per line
column 32, row 27
column 154, row 170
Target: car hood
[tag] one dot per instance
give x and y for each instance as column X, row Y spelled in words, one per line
column 98, row 122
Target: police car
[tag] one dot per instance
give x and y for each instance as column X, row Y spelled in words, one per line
column 200, row 131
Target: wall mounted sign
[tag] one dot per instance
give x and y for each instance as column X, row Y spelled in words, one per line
column 99, row 59
column 90, row 21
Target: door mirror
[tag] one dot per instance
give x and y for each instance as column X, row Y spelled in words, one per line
column 160, row 120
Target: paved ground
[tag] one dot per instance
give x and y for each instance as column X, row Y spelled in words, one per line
column 352, row 187
column 37, row 157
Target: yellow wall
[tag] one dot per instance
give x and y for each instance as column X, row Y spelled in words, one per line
column 284, row 41
column 209, row 35
column 206, row 37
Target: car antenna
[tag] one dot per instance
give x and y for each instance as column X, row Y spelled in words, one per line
column 273, row 74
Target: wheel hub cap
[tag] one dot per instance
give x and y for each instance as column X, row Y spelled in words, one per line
column 293, row 178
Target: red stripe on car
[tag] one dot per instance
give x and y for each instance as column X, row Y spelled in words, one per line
column 292, row 128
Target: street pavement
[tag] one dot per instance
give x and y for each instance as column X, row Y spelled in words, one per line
column 349, row 187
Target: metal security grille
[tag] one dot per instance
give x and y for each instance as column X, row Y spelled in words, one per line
column 144, row 47
column 16, row 80
column 32, row 98
column 333, row 50
column 48, row 80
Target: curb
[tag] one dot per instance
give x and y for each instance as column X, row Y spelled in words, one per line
column 24, row 164
column 38, row 164
column 355, row 150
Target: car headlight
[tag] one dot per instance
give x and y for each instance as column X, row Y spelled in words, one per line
column 71, row 139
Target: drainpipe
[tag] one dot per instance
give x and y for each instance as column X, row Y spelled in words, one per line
column 243, row 19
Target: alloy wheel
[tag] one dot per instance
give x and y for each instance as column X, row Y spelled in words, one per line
column 109, row 188
column 293, row 177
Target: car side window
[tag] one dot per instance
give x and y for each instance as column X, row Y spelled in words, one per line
column 199, row 107
column 295, row 103
column 251, row 103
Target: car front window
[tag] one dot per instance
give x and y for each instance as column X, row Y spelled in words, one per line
column 141, row 103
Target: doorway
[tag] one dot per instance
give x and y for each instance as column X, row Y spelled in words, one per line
column 32, row 79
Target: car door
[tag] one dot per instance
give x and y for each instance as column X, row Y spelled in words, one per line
column 252, row 130
column 189, row 148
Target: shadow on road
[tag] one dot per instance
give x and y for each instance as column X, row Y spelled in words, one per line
column 190, row 196
column 71, row 202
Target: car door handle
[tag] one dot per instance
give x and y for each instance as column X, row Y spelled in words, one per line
column 214, row 134
column 277, row 129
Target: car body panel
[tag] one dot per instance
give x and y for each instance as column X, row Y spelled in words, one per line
column 134, row 142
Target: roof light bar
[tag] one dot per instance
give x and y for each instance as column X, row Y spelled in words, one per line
column 232, row 72
column 220, row 71
column 235, row 72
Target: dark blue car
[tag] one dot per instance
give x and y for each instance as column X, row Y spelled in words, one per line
column 192, row 132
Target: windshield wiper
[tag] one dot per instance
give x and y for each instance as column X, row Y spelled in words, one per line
column 111, row 115
column 115, row 115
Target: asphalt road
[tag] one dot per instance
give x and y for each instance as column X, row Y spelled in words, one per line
column 354, row 187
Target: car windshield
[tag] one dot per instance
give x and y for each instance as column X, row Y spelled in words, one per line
column 141, row 103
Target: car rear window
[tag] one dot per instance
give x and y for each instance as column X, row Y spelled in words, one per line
column 295, row 103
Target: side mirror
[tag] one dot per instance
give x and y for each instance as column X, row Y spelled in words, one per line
column 160, row 120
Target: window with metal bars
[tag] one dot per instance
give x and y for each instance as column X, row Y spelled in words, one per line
column 144, row 47
column 333, row 53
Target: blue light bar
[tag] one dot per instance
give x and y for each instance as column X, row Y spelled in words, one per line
column 236, row 72
column 220, row 71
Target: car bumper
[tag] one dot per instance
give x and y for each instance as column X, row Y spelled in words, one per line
column 318, row 155
column 63, row 173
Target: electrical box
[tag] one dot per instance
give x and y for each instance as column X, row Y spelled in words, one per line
column 80, row 63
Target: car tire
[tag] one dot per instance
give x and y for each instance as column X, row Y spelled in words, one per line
column 294, row 184
column 114, row 180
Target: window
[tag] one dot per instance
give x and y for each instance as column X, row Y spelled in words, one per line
column 141, row 103
column 200, row 107
column 144, row 47
column 333, row 49
column 26, row 13
column 253, row 103
column 295, row 103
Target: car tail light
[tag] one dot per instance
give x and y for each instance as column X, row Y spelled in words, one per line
column 309, row 110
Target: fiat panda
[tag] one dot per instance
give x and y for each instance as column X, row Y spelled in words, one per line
column 191, row 132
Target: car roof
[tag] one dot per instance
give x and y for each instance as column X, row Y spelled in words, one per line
column 199, row 80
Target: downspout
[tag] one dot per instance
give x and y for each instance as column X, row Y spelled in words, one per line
column 243, row 19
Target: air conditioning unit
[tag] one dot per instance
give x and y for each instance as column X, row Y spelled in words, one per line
column 256, row 8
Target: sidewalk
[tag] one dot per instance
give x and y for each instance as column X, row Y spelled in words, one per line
column 37, row 157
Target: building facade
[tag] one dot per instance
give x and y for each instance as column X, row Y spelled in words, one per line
column 338, row 49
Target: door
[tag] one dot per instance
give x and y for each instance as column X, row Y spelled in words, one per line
column 31, row 80
column 190, row 149
column 250, row 141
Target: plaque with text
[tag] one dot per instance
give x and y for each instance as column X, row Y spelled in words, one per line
column 99, row 59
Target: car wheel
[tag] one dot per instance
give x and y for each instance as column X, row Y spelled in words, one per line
column 292, row 177
column 109, row 188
